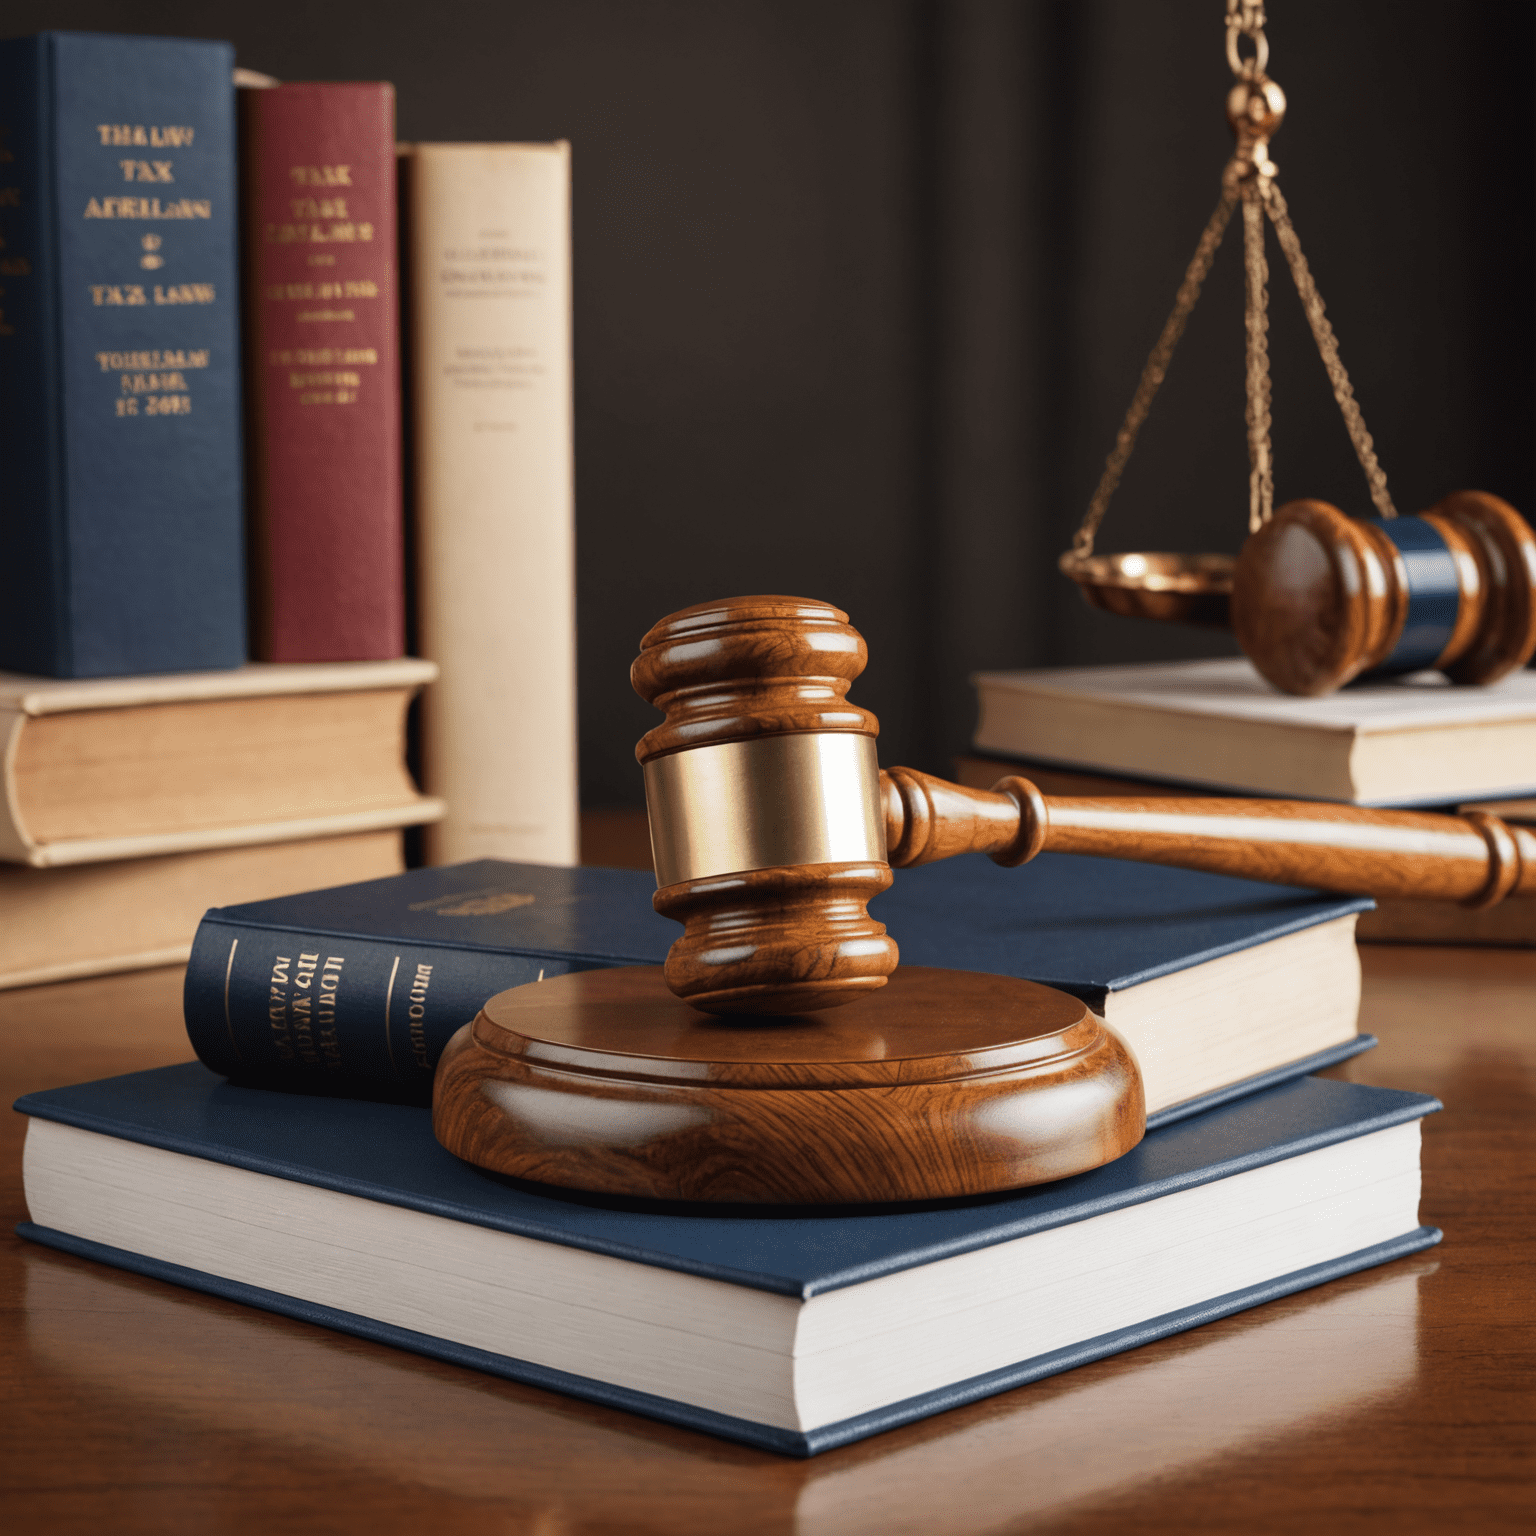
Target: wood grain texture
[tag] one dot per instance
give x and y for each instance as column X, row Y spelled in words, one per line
column 942, row 1083
column 778, row 940
column 1319, row 598
column 749, row 666
column 1396, row 1400
column 787, row 930
column 1473, row 858
column 1504, row 549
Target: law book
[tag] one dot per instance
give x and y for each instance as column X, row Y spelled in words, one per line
column 323, row 371
column 794, row 1329
column 1414, row 740
column 120, row 470
column 126, row 768
column 131, row 914
column 1218, row 985
column 489, row 305
column 1509, row 924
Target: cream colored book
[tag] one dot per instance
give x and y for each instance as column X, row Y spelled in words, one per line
column 1417, row 740
column 129, row 914
column 131, row 767
column 490, row 325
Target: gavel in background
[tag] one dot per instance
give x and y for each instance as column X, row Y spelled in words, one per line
column 1319, row 598
column 772, row 824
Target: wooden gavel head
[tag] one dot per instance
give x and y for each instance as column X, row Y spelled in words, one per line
column 1319, row 598
column 763, row 789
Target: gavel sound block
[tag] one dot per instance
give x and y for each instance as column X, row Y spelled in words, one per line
column 781, row 1055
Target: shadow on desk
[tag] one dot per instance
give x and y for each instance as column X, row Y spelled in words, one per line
column 213, row 1386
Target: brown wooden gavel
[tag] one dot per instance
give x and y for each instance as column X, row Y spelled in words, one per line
column 772, row 825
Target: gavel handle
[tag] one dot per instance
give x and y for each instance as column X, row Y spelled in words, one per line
column 1472, row 858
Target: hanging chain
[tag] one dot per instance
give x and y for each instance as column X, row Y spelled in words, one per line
column 1261, row 476
column 1249, row 177
column 1153, row 373
column 1328, row 347
column 1245, row 18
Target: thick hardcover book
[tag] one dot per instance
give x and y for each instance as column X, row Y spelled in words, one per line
column 323, row 371
column 130, row 914
column 796, row 1329
column 1414, row 740
column 120, row 501
column 1214, row 982
column 489, row 300
column 124, row 768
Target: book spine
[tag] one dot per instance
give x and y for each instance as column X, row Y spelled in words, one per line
column 120, row 502
column 340, row 1014
column 323, row 371
column 489, row 244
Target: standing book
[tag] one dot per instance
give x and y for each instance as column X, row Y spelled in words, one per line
column 1218, row 985
column 795, row 1330
column 120, row 500
column 489, row 300
column 323, row 371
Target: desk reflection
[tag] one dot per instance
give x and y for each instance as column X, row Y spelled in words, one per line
column 190, row 1380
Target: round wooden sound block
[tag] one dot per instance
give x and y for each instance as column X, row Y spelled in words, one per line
column 941, row 1083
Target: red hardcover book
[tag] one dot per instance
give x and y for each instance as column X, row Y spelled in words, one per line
column 323, row 371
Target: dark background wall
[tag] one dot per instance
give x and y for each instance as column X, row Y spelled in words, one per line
column 863, row 288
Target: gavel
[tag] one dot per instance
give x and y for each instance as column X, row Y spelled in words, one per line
column 1319, row 598
column 772, row 824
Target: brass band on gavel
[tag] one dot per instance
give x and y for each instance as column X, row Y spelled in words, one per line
column 772, row 825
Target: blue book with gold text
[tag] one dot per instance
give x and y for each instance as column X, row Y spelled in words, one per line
column 1219, row 985
column 121, row 545
column 790, row 1328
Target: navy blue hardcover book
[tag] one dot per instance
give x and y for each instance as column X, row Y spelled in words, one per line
column 121, row 546
column 356, row 990
column 789, row 1328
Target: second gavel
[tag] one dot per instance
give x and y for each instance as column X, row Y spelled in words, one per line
column 772, row 824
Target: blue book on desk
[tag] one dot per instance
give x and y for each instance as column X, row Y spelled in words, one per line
column 120, row 495
column 1219, row 985
column 791, row 1329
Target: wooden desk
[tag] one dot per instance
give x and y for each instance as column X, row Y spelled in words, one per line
column 1400, row 1398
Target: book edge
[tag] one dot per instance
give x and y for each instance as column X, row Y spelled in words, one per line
column 1410, row 1106
column 749, row 1432
column 1338, row 908
column 255, row 679
column 424, row 808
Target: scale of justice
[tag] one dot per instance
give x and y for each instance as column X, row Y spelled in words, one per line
column 782, row 1055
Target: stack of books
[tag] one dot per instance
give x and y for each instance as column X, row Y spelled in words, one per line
column 212, row 300
column 1216, row 727
column 293, row 1167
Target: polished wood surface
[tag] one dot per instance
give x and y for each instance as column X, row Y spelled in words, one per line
column 1473, row 858
column 1397, row 1400
column 604, row 1081
column 1400, row 920
column 778, row 940
column 749, row 666
column 1319, row 598
column 744, row 669
column 767, row 934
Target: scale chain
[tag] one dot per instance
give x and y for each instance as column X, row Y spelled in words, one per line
column 1327, row 346
column 1249, row 176
column 1153, row 373
column 1261, row 477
